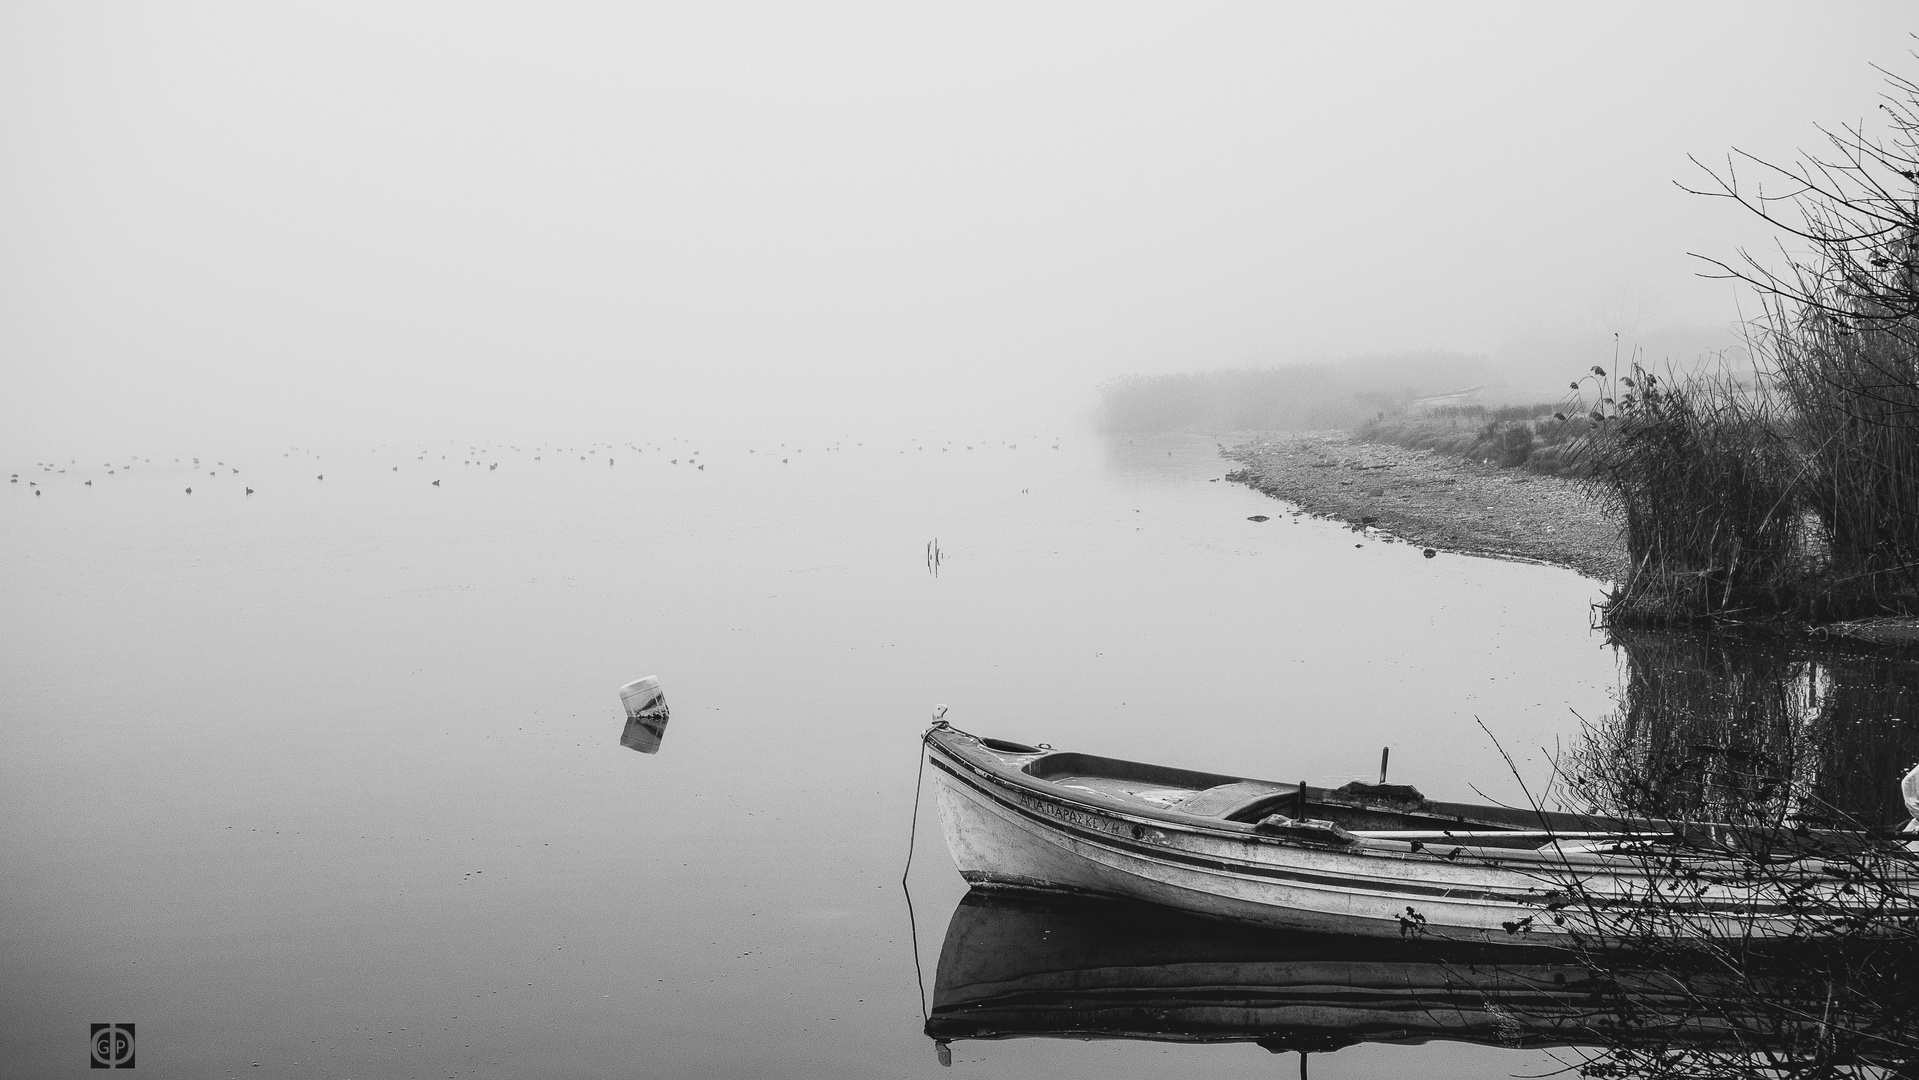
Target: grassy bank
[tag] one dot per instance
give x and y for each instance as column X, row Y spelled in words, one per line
column 1780, row 498
column 1525, row 437
column 1790, row 498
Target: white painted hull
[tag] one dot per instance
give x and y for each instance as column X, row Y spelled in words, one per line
column 1006, row 834
column 994, row 845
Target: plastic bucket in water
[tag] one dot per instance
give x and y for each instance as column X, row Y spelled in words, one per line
column 642, row 697
column 646, row 715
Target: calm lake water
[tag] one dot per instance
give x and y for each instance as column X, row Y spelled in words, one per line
column 326, row 781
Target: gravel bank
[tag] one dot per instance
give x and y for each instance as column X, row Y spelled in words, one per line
column 1435, row 501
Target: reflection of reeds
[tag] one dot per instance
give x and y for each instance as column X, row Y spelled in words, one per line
column 1710, row 728
column 1702, row 728
column 1796, row 756
column 1867, row 735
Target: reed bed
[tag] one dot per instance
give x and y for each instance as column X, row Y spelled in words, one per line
column 1793, row 492
column 1704, row 478
column 1832, row 427
column 1854, row 398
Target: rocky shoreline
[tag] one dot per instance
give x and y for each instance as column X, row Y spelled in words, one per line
column 1429, row 499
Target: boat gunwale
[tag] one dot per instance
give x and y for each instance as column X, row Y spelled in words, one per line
column 1527, row 864
column 992, row 764
column 1250, row 852
column 1559, row 850
column 1397, row 885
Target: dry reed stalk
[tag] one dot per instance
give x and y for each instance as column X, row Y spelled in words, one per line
column 1854, row 395
column 1703, row 483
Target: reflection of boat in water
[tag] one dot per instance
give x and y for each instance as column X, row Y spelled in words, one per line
column 1026, row 964
column 1018, row 965
column 643, row 733
column 1364, row 859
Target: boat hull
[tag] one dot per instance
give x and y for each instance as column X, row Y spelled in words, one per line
column 999, row 843
column 1007, row 829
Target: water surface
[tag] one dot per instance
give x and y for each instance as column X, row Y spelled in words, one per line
column 328, row 778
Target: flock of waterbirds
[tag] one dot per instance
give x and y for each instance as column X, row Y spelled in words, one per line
column 487, row 458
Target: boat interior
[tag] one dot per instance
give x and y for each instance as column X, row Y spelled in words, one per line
column 1377, row 818
column 1392, row 813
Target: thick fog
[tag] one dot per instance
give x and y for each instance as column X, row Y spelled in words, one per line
column 281, row 224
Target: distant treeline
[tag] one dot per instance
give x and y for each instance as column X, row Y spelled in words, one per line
column 1301, row 397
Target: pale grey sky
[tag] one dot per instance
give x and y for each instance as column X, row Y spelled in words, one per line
column 295, row 223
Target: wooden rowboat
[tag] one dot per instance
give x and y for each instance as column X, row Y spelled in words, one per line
column 1382, row 860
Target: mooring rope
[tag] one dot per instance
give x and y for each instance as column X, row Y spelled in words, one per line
column 913, row 838
column 912, row 841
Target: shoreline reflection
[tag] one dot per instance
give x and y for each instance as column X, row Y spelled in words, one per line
column 1722, row 729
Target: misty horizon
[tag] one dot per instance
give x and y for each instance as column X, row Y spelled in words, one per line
column 229, row 227
column 403, row 403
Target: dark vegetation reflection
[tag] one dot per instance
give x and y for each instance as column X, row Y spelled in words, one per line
column 1797, row 751
column 1719, row 729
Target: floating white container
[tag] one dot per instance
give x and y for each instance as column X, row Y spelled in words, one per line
column 646, row 715
column 642, row 697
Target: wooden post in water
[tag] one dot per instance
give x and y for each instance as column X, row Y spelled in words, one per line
column 1383, row 752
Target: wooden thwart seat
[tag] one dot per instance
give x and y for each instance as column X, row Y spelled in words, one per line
column 1228, row 800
